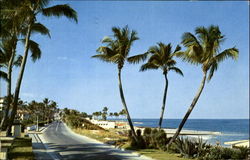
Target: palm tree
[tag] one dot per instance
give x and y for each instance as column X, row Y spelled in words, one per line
column 116, row 51
column 11, row 26
column 123, row 113
column 116, row 115
column 203, row 49
column 104, row 113
column 31, row 9
column 10, row 60
column 161, row 57
column 111, row 114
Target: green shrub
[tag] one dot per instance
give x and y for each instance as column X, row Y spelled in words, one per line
column 161, row 139
column 220, row 153
column 147, row 131
column 138, row 132
column 243, row 153
column 191, row 148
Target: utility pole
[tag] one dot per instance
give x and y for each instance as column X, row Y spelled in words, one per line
column 37, row 129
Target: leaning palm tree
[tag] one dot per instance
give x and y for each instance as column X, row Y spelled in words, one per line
column 203, row 49
column 30, row 9
column 161, row 57
column 116, row 51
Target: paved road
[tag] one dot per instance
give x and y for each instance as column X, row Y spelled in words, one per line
column 62, row 143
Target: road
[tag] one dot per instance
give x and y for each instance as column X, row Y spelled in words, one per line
column 62, row 143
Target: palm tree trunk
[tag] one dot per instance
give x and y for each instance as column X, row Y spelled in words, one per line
column 125, row 106
column 164, row 101
column 9, row 79
column 19, row 80
column 189, row 110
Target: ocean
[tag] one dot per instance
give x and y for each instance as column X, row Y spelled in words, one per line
column 231, row 129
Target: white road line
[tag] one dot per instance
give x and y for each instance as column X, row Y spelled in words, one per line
column 57, row 126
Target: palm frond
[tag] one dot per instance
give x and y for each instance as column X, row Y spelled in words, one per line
column 18, row 61
column 148, row 66
column 106, row 39
column 60, row 10
column 117, row 58
column 102, row 57
column 177, row 49
column 106, row 50
column 3, row 75
column 177, row 70
column 35, row 50
column 213, row 68
column 188, row 39
column 40, row 28
column 137, row 58
column 228, row 53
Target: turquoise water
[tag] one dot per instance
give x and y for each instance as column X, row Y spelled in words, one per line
column 231, row 129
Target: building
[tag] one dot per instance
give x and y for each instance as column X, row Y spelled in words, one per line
column 23, row 115
column 110, row 124
column 2, row 104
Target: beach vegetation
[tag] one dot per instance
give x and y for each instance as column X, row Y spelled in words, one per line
column 203, row 48
column 218, row 153
column 191, row 148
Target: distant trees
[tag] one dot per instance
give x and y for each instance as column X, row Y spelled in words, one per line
column 104, row 113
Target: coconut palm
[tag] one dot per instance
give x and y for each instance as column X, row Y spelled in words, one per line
column 203, row 49
column 161, row 57
column 8, row 47
column 30, row 9
column 117, row 51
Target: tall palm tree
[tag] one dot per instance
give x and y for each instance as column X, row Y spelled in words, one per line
column 30, row 9
column 161, row 57
column 8, row 47
column 117, row 51
column 203, row 49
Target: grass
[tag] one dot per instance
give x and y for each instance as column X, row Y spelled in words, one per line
column 160, row 155
column 21, row 149
column 100, row 135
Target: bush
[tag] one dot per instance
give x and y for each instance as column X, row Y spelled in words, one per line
column 242, row 153
column 191, row 148
column 186, row 147
column 161, row 139
column 147, row 131
column 218, row 153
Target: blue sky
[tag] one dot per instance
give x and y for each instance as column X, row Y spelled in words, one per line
column 68, row 75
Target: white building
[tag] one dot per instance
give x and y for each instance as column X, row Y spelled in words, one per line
column 110, row 124
column 2, row 104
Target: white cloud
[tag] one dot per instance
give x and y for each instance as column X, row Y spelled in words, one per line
column 62, row 58
column 27, row 95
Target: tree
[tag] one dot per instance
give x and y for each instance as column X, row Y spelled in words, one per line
column 123, row 112
column 30, row 9
column 104, row 113
column 111, row 114
column 160, row 57
column 116, row 51
column 13, row 27
column 203, row 49
column 116, row 115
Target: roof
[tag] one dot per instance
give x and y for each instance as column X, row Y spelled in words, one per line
column 240, row 143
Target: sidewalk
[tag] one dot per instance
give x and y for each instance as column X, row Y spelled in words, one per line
column 39, row 149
